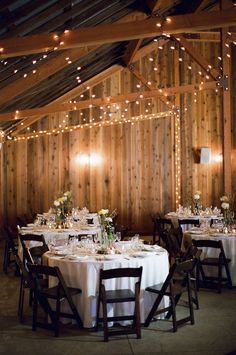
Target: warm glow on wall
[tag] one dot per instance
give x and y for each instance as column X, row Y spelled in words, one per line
column 92, row 159
column 218, row 158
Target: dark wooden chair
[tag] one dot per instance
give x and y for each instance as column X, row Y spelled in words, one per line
column 33, row 254
column 191, row 253
column 26, row 282
column 58, row 293
column 193, row 222
column 175, row 284
column 106, row 297
column 159, row 226
column 10, row 249
column 219, row 262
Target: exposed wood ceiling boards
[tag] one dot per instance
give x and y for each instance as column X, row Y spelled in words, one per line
column 64, row 80
column 108, row 100
column 45, row 71
column 5, row 3
column 48, row 68
column 29, row 24
column 20, row 13
column 199, row 58
column 114, row 32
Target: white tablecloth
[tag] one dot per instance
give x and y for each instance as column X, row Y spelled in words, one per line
column 229, row 244
column 84, row 274
column 57, row 236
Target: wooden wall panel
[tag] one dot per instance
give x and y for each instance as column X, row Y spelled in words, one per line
column 136, row 174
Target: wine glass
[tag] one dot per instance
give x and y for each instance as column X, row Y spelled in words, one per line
column 118, row 236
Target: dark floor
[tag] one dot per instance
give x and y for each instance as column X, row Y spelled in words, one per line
column 214, row 331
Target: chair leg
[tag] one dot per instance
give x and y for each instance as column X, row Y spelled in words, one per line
column 97, row 314
column 35, row 313
column 21, row 299
column 6, row 257
column 57, row 318
column 105, row 323
column 228, row 274
column 173, row 312
column 219, row 277
column 195, row 299
column 152, row 311
column 190, row 301
column 137, row 318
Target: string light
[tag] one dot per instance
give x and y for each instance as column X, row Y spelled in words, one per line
column 105, row 123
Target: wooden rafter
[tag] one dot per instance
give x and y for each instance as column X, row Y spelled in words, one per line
column 80, row 89
column 114, row 33
column 107, row 100
column 144, row 81
column 199, row 58
column 153, row 5
column 104, row 123
column 131, row 50
column 227, row 104
column 70, row 95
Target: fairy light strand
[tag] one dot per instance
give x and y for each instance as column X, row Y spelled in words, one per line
column 89, row 125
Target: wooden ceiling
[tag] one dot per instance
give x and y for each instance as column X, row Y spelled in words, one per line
column 50, row 50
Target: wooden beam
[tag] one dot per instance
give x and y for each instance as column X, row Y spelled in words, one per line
column 110, row 33
column 107, row 101
column 176, row 129
column 215, row 74
column 144, row 81
column 227, row 104
column 105, row 123
column 131, row 50
column 153, row 5
column 70, row 95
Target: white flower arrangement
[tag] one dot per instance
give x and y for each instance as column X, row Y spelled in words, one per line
column 197, row 196
column 107, row 221
column 63, row 204
column 227, row 205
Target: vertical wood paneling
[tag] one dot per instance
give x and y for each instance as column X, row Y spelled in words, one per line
column 137, row 171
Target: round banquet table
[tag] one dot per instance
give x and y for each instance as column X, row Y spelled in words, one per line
column 229, row 245
column 83, row 272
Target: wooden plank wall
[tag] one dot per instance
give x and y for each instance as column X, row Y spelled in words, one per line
column 136, row 174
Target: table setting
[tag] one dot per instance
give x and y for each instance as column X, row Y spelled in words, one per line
column 80, row 264
column 218, row 231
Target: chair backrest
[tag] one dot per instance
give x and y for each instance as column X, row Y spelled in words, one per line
column 10, row 236
column 43, row 271
column 26, row 275
column 33, row 254
column 121, row 272
column 209, row 243
column 172, row 239
column 194, row 222
column 183, row 269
